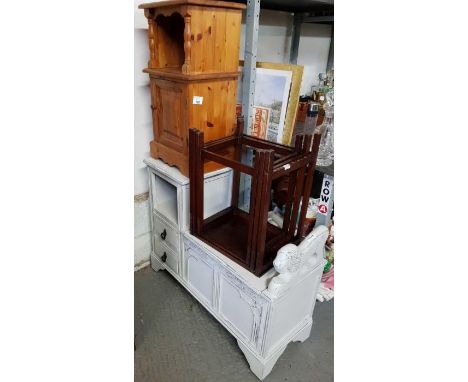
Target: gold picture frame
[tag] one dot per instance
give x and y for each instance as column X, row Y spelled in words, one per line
column 294, row 93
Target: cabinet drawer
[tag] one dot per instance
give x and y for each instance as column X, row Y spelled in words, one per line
column 168, row 257
column 165, row 233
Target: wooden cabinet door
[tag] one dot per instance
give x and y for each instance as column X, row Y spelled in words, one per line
column 169, row 113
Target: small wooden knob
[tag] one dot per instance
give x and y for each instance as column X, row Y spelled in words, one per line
column 163, row 234
column 164, row 257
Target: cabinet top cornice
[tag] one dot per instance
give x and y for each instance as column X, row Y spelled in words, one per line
column 205, row 3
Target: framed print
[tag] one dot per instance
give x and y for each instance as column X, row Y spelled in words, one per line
column 270, row 92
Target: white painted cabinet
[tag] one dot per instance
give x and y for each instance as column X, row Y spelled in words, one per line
column 263, row 315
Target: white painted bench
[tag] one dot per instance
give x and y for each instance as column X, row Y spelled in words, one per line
column 263, row 313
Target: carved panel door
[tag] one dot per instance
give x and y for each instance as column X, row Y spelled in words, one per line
column 169, row 113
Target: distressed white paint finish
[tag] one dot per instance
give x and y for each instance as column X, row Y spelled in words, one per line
column 217, row 192
column 263, row 319
column 257, row 283
column 292, row 259
column 246, row 316
column 262, row 366
column 165, row 232
column 172, row 258
column 262, row 322
column 169, row 201
column 167, row 171
column 201, row 278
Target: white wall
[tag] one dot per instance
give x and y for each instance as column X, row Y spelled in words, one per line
column 142, row 111
column 274, row 36
column 142, row 233
column 314, row 45
column 143, row 134
column 274, row 44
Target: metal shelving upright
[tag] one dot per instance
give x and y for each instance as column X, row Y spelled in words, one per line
column 305, row 11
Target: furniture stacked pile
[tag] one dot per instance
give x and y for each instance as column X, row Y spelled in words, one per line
column 224, row 256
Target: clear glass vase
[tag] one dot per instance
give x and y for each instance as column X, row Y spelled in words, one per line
column 326, row 129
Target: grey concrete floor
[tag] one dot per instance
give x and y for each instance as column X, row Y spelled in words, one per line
column 177, row 340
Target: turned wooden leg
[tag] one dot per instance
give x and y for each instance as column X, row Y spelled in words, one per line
column 152, row 63
column 187, row 45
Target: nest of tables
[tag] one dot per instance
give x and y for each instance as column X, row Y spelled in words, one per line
column 243, row 233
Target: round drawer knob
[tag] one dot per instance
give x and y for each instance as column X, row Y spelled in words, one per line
column 164, row 257
column 163, row 234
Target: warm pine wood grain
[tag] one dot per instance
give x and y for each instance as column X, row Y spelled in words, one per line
column 169, row 104
column 174, row 74
column 194, row 51
column 170, row 156
column 174, row 113
column 170, row 40
column 232, row 41
column 153, row 61
column 187, row 44
column 216, row 117
column 208, row 3
column 193, row 38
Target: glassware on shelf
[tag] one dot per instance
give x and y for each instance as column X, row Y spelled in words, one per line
column 322, row 80
column 318, row 93
column 326, row 129
column 311, row 119
column 314, row 92
column 329, row 81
